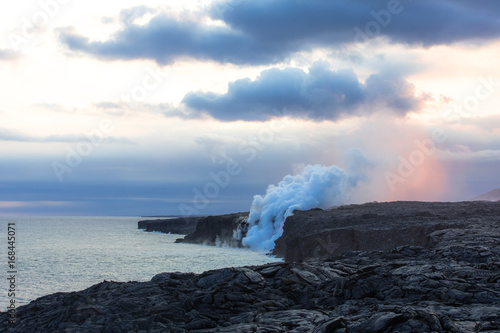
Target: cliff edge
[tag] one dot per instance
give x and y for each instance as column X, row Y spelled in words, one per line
column 216, row 230
column 325, row 234
column 446, row 280
column 177, row 225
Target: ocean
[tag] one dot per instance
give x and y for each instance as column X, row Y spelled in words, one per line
column 62, row 254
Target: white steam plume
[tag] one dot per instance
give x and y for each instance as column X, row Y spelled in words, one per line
column 316, row 187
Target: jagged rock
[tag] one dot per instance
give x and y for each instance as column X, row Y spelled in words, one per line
column 366, row 292
column 452, row 284
column 383, row 226
column 179, row 226
column 216, row 230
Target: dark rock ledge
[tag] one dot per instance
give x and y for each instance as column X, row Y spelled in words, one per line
column 216, row 230
column 179, row 225
column 382, row 226
column 450, row 285
column 409, row 289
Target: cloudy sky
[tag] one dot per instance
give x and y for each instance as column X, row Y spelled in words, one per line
column 186, row 107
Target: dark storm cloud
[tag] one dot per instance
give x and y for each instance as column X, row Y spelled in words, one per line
column 166, row 39
column 263, row 31
column 320, row 94
column 426, row 22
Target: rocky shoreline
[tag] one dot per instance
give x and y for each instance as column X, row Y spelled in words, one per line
column 216, row 230
column 178, row 225
column 446, row 280
column 206, row 230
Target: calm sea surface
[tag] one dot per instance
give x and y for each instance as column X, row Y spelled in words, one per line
column 72, row 253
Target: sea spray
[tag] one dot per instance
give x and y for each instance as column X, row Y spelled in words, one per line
column 316, row 187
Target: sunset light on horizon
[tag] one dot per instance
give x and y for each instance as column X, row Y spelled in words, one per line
column 194, row 107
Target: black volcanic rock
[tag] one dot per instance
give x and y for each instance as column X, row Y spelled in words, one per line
column 179, row 226
column 451, row 283
column 377, row 226
column 408, row 289
column 216, row 230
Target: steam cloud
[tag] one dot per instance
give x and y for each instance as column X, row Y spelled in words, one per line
column 316, row 187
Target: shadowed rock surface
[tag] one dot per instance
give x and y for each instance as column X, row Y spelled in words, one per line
column 216, row 230
column 377, row 226
column 450, row 285
column 179, row 226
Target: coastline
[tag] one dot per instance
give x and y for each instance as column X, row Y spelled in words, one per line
column 449, row 284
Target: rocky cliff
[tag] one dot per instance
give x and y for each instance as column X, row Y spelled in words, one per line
column 216, row 230
column 451, row 287
column 326, row 234
column 446, row 279
column 179, row 226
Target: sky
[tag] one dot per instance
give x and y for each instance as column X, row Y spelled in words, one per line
column 193, row 107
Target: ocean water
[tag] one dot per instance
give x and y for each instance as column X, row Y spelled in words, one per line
column 64, row 254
